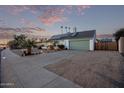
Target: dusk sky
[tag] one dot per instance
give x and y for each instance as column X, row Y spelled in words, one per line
column 104, row 19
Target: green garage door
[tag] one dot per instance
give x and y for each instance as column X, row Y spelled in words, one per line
column 79, row 44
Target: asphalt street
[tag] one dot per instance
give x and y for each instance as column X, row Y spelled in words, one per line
column 0, row 66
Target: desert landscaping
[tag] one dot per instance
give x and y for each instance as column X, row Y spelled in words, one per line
column 51, row 46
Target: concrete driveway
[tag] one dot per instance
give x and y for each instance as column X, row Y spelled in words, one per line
column 29, row 72
column 98, row 69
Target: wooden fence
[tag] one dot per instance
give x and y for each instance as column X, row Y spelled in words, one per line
column 106, row 46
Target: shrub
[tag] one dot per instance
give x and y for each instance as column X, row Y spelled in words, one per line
column 51, row 47
column 61, row 46
column 118, row 34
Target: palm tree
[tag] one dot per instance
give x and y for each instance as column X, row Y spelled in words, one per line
column 66, row 29
column 75, row 29
column 62, row 29
column 29, row 44
column 118, row 34
column 69, row 29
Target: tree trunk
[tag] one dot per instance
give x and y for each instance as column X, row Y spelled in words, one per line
column 29, row 51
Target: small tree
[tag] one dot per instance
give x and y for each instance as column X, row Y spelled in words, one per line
column 18, row 42
column 118, row 34
column 21, row 42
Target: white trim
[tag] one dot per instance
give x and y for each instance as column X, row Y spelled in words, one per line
column 66, row 43
column 92, row 43
column 121, row 45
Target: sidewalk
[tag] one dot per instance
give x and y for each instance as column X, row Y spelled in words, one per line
column 28, row 72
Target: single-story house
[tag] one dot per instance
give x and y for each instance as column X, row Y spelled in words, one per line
column 84, row 40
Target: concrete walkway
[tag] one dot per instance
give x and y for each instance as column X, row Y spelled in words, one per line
column 29, row 72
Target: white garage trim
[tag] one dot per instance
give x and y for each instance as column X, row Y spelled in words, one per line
column 92, row 43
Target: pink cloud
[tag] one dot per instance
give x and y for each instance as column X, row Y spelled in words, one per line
column 52, row 16
column 30, row 25
column 49, row 14
column 17, row 9
column 80, row 9
column 54, row 11
column 51, row 19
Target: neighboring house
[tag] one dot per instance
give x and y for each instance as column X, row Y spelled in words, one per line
column 121, row 45
column 84, row 40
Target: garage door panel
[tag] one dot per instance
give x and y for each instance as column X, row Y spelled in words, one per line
column 79, row 45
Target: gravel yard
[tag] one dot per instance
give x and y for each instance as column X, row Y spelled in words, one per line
column 92, row 69
column 75, row 69
column 20, row 52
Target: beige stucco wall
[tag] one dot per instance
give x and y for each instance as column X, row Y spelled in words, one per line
column 121, row 45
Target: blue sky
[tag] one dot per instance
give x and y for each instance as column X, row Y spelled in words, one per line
column 105, row 19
